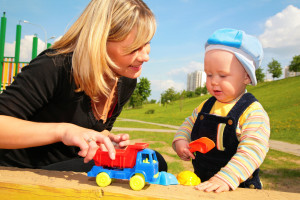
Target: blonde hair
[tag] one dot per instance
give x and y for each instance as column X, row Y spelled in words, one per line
column 100, row 22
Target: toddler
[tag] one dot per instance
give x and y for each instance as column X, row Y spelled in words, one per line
column 232, row 118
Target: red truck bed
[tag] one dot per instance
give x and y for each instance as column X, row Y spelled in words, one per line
column 125, row 158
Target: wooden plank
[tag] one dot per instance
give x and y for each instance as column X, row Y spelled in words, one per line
column 11, row 191
column 16, row 184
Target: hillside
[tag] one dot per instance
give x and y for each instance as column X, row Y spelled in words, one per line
column 281, row 100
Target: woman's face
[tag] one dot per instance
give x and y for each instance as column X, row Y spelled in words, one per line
column 129, row 65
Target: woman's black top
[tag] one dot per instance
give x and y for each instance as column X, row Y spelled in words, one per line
column 45, row 92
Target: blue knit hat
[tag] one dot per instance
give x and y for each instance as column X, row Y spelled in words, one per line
column 247, row 49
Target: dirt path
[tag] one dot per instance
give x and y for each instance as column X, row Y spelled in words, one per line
column 277, row 145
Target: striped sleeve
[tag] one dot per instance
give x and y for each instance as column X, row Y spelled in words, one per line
column 185, row 130
column 253, row 132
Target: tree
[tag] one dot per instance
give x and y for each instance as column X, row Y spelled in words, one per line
column 152, row 101
column 204, row 90
column 275, row 69
column 260, row 76
column 135, row 100
column 143, row 88
column 183, row 94
column 198, row 91
column 168, row 96
column 295, row 64
column 141, row 93
column 190, row 94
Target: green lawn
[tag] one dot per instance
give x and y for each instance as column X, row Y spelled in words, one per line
column 130, row 124
column 280, row 171
column 281, row 99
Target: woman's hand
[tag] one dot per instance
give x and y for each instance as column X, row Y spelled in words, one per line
column 182, row 150
column 120, row 140
column 89, row 141
column 213, row 184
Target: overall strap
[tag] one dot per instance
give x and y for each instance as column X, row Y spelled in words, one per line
column 244, row 102
column 208, row 104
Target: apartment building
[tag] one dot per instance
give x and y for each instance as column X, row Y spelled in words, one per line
column 287, row 73
column 195, row 79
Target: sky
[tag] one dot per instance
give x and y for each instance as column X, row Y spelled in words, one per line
column 183, row 27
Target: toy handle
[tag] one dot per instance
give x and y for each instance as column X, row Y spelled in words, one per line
column 203, row 145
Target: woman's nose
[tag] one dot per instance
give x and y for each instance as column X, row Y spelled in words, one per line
column 144, row 53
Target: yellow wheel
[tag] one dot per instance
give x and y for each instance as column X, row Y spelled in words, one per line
column 103, row 179
column 137, row 182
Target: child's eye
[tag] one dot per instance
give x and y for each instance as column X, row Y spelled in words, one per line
column 222, row 76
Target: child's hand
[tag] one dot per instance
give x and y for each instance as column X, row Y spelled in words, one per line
column 182, row 150
column 213, row 184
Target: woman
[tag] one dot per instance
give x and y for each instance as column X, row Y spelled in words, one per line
column 62, row 106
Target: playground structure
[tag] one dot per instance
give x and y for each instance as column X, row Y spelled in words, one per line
column 11, row 66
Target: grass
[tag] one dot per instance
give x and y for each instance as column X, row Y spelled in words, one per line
column 281, row 100
column 172, row 114
column 151, row 136
column 119, row 123
column 280, row 171
column 286, row 164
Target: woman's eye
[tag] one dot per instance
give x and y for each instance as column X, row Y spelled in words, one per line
column 134, row 51
column 139, row 48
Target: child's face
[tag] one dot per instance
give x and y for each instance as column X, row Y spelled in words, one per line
column 226, row 78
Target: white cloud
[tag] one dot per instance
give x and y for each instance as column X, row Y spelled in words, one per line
column 283, row 30
column 9, row 49
column 191, row 67
column 163, row 85
column 25, row 48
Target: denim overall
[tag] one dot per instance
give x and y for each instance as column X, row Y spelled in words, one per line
column 222, row 130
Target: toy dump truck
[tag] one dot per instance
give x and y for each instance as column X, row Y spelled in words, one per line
column 136, row 163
